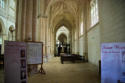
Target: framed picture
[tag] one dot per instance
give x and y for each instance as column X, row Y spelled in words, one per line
column 22, row 53
column 23, row 63
column 23, row 74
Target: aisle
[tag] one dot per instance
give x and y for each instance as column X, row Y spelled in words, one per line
column 66, row 73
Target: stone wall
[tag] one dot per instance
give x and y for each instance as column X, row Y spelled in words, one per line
column 112, row 17
column 7, row 20
column 94, row 45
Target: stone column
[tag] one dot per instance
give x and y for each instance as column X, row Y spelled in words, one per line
column 18, row 20
column 43, row 33
column 26, row 20
column 86, row 25
column 29, row 14
column 23, row 21
column 34, row 20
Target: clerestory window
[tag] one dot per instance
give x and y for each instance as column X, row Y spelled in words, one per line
column 94, row 12
column 2, row 3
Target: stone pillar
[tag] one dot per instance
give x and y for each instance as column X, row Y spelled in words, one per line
column 43, row 30
column 23, row 21
column 26, row 20
column 77, row 32
column 86, row 25
column 29, row 14
column 34, row 20
column 18, row 20
column 50, row 43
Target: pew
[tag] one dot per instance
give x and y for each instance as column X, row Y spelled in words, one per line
column 71, row 57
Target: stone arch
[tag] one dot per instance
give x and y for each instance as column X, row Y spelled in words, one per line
column 2, row 26
column 59, row 26
column 2, row 35
column 53, row 2
column 62, row 38
column 66, row 33
column 61, row 13
column 69, row 38
column 65, row 23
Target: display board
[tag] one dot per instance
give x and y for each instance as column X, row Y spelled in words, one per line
column 15, row 64
column 113, row 63
column 34, row 52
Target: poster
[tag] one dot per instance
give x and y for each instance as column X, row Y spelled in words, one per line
column 112, row 62
column 34, row 53
column 15, row 66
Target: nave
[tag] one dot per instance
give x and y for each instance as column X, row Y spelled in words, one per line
column 88, row 28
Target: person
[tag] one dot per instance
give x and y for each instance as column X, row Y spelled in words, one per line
column 65, row 49
column 59, row 50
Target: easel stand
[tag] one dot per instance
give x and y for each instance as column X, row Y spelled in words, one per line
column 35, row 57
column 42, row 70
column 33, row 69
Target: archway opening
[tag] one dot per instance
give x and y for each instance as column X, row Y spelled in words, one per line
column 0, row 34
column 1, row 38
column 64, row 33
column 62, row 40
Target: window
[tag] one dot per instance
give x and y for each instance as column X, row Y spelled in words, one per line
column 94, row 12
column 81, row 24
column 81, row 28
column 1, row 3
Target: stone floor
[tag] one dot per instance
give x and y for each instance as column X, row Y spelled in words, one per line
column 1, row 74
column 66, row 73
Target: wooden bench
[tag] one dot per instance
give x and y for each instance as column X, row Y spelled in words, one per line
column 70, row 57
column 67, row 57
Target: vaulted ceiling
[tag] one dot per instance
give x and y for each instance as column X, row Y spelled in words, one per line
column 62, row 12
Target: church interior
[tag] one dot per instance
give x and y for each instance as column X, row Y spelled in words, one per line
column 71, row 31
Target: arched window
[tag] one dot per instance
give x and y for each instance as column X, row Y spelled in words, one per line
column 94, row 12
column 2, row 3
column 81, row 28
column 0, row 33
column 81, row 24
column 12, row 8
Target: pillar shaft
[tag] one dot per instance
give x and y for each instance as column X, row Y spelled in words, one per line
column 26, row 20
column 34, row 19
column 23, row 20
column 29, row 14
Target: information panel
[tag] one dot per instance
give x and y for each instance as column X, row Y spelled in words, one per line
column 113, row 63
column 15, row 66
column 34, row 52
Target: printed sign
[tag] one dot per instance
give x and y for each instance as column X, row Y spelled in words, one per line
column 112, row 62
column 15, row 65
column 34, row 53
